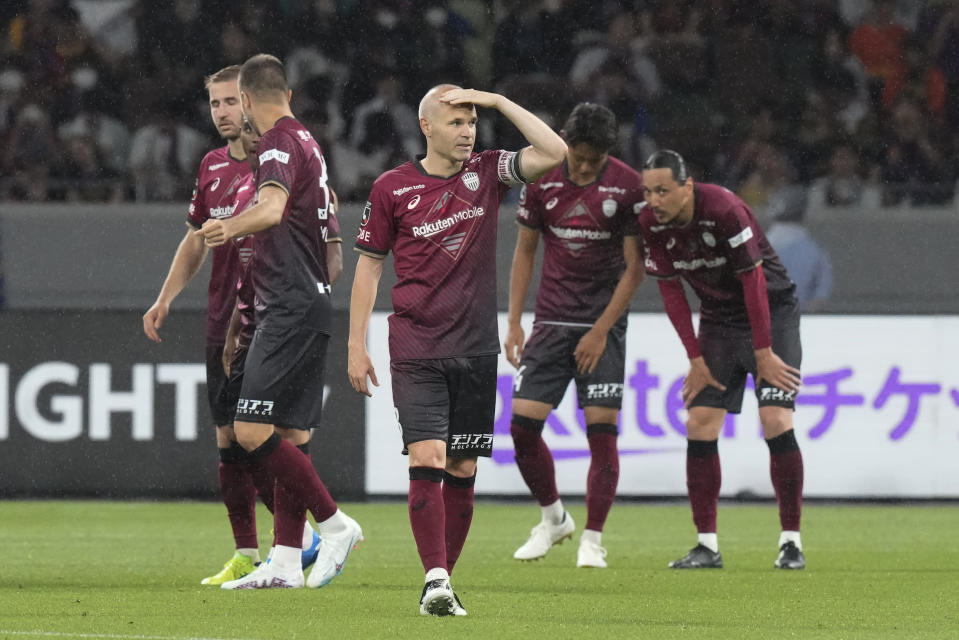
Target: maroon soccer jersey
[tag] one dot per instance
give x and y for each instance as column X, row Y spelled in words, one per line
column 442, row 232
column 582, row 229
column 722, row 239
column 218, row 179
column 290, row 275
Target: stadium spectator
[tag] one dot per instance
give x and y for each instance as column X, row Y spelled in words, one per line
column 944, row 53
column 585, row 211
column 110, row 136
column 443, row 337
column 805, row 260
column 843, row 185
column 915, row 163
column 878, row 42
column 285, row 366
column 163, row 154
column 86, row 175
column 30, row 155
column 749, row 324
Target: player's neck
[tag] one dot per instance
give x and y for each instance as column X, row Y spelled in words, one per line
column 235, row 149
column 438, row 165
column 269, row 115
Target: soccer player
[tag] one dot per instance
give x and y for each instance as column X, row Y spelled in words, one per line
column 437, row 214
column 586, row 212
column 284, row 368
column 749, row 323
column 219, row 193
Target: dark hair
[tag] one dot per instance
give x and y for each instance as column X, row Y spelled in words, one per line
column 225, row 74
column 263, row 76
column 668, row 159
column 592, row 124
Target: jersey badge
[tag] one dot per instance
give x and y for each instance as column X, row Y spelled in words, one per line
column 709, row 239
column 552, row 203
column 471, row 180
column 366, row 213
column 415, row 200
column 216, row 183
column 609, row 207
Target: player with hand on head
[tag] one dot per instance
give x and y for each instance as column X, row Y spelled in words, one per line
column 585, row 211
column 437, row 214
column 285, row 365
column 749, row 323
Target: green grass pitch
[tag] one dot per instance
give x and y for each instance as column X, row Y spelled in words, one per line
column 132, row 570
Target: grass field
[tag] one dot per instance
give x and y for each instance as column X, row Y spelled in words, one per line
column 132, row 570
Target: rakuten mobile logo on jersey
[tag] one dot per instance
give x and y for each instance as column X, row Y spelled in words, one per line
column 431, row 228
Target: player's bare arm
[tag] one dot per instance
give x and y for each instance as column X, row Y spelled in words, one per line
column 186, row 263
column 334, row 260
column 547, row 149
column 365, row 283
column 590, row 347
column 520, row 275
column 266, row 213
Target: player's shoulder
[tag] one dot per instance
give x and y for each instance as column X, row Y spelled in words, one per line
column 215, row 157
column 398, row 181
column 717, row 198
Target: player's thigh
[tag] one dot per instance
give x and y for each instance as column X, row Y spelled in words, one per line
column 726, row 351
column 603, row 388
column 472, row 385
column 547, row 365
column 421, row 399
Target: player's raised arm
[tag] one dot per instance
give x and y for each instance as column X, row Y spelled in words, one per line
column 268, row 212
column 546, row 149
column 365, row 283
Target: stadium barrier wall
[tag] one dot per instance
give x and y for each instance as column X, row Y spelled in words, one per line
column 888, row 261
column 877, row 417
column 90, row 407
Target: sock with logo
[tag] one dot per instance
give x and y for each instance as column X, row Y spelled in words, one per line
column 458, row 507
column 603, row 473
column 786, row 471
column 703, row 479
column 239, row 495
column 534, row 459
column 302, row 488
column 428, row 515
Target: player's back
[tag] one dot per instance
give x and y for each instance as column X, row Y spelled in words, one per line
column 290, row 270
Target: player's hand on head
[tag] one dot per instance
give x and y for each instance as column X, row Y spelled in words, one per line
column 359, row 367
column 698, row 378
column 772, row 369
column 153, row 320
column 513, row 345
column 470, row 96
column 589, row 350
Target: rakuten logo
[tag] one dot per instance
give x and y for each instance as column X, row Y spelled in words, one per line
column 431, row 228
column 221, row 212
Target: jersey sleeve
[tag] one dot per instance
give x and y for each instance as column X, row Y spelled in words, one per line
column 507, row 168
column 529, row 213
column 279, row 161
column 377, row 231
column 197, row 213
column 332, row 227
column 739, row 232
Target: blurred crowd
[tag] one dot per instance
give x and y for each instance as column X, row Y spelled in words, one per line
column 103, row 100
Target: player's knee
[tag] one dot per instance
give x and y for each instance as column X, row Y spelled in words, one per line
column 775, row 421
column 525, row 427
column 461, row 467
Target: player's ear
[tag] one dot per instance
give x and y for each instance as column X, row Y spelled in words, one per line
column 289, row 95
column 425, row 127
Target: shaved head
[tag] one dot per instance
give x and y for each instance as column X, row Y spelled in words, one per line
column 431, row 101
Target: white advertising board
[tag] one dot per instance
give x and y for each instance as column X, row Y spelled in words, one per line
column 877, row 416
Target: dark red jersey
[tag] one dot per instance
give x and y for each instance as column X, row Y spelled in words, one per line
column 218, row 179
column 290, row 275
column 442, row 232
column 722, row 239
column 582, row 229
column 245, row 294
